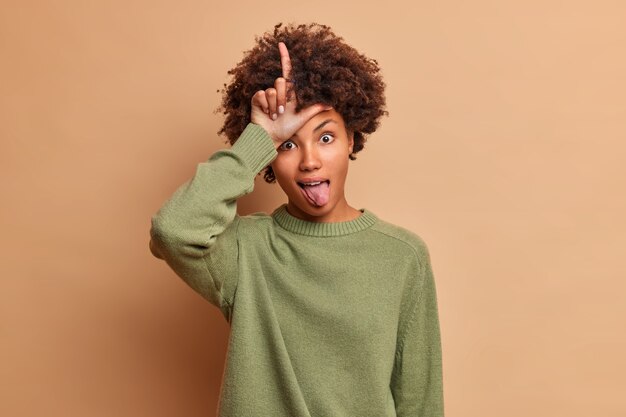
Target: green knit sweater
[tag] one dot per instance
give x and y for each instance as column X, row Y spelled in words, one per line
column 326, row 319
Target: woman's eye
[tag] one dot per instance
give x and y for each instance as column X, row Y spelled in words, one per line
column 283, row 146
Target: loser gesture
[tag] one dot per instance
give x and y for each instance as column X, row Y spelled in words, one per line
column 274, row 108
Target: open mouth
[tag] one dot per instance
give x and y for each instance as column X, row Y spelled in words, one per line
column 317, row 195
column 301, row 185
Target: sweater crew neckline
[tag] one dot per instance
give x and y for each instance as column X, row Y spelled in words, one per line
column 309, row 228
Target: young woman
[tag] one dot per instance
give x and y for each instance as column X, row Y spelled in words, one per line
column 333, row 311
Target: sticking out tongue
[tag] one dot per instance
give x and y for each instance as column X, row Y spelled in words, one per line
column 317, row 194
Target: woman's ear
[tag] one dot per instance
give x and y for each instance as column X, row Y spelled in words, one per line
column 350, row 140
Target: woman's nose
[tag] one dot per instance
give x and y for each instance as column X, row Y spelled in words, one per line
column 310, row 159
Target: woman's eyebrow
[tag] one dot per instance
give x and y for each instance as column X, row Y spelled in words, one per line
column 321, row 125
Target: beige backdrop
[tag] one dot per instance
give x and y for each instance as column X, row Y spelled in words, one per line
column 504, row 149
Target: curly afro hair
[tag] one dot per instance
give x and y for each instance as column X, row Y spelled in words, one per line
column 324, row 70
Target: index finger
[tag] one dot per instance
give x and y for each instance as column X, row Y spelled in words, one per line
column 285, row 61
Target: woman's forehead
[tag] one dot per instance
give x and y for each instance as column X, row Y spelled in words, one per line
column 327, row 118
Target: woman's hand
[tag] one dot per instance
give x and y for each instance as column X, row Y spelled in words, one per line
column 281, row 123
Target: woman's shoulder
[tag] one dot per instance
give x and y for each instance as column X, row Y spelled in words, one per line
column 402, row 234
column 256, row 219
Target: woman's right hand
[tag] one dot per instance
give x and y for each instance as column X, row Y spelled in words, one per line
column 267, row 103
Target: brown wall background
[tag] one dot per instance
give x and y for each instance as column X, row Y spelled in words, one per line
column 504, row 150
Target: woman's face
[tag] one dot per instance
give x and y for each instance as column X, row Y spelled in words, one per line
column 319, row 150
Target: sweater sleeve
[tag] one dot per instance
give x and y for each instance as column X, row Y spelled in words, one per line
column 196, row 230
column 417, row 380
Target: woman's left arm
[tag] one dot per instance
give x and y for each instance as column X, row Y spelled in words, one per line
column 417, row 378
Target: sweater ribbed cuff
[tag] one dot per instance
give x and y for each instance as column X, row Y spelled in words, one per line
column 255, row 147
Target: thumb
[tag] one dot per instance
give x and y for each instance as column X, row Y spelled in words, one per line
column 309, row 112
